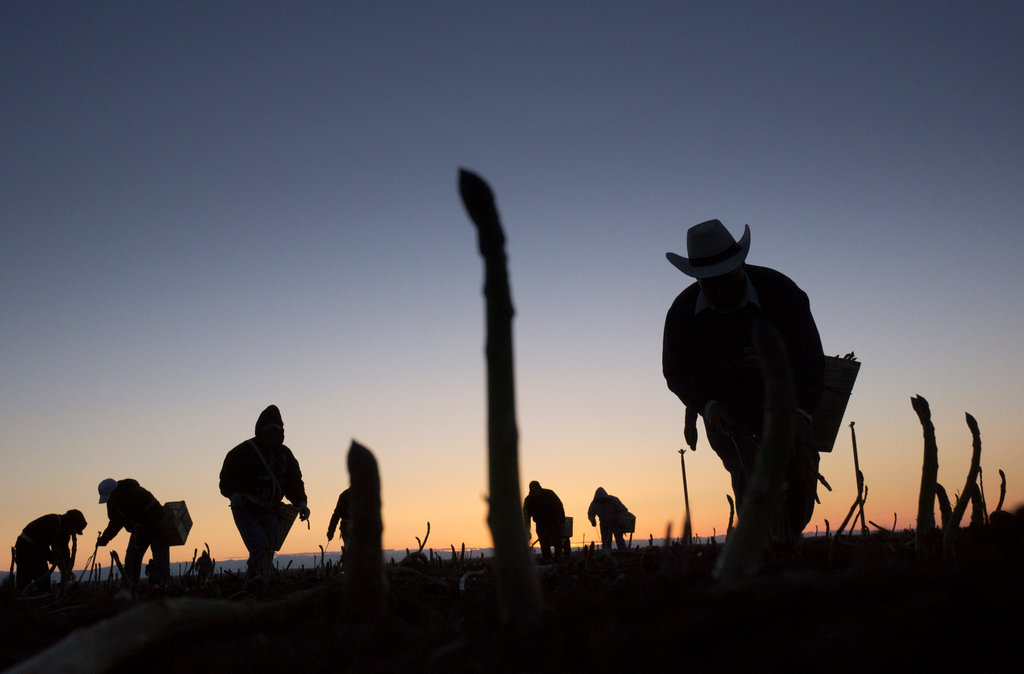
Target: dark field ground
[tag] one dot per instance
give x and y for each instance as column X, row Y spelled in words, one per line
column 872, row 607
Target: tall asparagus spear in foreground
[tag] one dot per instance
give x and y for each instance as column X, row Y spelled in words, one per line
column 760, row 507
column 518, row 589
column 929, row 474
column 364, row 559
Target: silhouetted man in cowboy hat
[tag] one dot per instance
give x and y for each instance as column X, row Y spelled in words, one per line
column 710, row 362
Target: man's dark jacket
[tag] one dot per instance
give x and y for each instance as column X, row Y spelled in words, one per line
column 132, row 508
column 46, row 535
column 703, row 355
column 342, row 514
column 245, row 473
column 546, row 509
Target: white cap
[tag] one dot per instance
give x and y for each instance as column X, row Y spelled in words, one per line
column 106, row 488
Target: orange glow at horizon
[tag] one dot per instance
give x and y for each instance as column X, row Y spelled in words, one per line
column 457, row 513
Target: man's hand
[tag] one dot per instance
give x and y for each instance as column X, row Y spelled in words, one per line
column 690, row 436
column 690, row 428
column 100, row 541
column 303, row 513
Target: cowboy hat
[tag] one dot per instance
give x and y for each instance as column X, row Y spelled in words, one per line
column 713, row 251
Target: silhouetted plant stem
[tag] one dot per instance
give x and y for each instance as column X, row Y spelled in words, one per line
column 977, row 506
column 1002, row 489
column 114, row 559
column 860, row 480
column 364, row 559
column 687, row 524
column 839, row 532
column 760, row 507
column 518, row 588
column 425, row 537
column 849, row 515
column 945, row 509
column 929, row 473
column 982, row 503
column 952, row 528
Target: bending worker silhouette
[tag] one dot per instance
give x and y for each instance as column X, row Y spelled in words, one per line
column 255, row 476
column 710, row 362
column 44, row 541
column 613, row 516
column 133, row 508
column 544, row 506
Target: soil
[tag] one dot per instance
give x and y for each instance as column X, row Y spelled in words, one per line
column 863, row 603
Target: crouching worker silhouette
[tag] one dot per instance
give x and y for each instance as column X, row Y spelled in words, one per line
column 613, row 515
column 44, row 541
column 134, row 509
column 544, row 506
column 710, row 362
column 255, row 476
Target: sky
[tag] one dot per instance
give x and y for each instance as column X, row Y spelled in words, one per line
column 209, row 207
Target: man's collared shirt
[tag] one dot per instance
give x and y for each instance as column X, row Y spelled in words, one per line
column 749, row 295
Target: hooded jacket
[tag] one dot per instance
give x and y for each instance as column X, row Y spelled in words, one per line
column 245, row 473
column 609, row 508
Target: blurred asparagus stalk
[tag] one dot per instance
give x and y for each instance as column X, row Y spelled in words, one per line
column 518, row 588
column 760, row 507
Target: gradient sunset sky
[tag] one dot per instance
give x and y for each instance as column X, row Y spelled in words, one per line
column 208, row 207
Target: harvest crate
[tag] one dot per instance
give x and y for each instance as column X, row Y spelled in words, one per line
column 567, row 528
column 840, row 375
column 176, row 523
column 286, row 515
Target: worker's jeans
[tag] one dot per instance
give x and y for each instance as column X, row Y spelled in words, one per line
column 609, row 530
column 31, row 560
column 550, row 537
column 738, row 452
column 259, row 531
column 142, row 539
